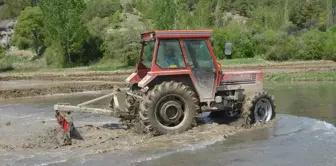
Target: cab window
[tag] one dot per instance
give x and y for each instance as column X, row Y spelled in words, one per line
column 198, row 54
column 170, row 55
column 148, row 53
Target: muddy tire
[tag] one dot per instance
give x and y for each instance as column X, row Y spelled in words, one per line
column 258, row 108
column 132, row 108
column 169, row 108
column 132, row 103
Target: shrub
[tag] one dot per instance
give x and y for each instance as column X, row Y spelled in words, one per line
column 129, row 7
column 312, row 45
column 22, row 42
column 267, row 41
column 101, row 8
column 118, row 47
column 55, row 56
column 283, row 50
column 330, row 46
column 2, row 50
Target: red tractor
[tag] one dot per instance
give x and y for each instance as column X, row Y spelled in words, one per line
column 176, row 79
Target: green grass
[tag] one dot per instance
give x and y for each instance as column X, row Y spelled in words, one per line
column 250, row 61
column 20, row 64
column 301, row 76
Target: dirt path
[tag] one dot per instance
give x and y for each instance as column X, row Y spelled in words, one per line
column 14, row 85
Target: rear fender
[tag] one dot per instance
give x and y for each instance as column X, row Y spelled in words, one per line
column 137, row 76
column 155, row 78
column 133, row 78
column 250, row 81
column 148, row 79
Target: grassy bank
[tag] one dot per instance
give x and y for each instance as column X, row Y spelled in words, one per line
column 296, row 77
column 18, row 64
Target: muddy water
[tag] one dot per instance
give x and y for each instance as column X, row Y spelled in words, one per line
column 302, row 135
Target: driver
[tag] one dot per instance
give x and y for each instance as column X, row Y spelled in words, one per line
column 170, row 57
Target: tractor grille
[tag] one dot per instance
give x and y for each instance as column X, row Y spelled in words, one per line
column 235, row 82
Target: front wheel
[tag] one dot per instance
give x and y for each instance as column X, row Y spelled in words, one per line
column 259, row 108
column 169, row 108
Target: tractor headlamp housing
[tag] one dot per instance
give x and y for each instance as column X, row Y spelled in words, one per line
column 152, row 36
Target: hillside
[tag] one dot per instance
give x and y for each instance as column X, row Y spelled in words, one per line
column 60, row 33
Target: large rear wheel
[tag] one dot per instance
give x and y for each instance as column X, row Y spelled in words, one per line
column 259, row 108
column 169, row 108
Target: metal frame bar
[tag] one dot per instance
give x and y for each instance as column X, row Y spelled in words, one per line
column 65, row 107
column 96, row 99
column 70, row 108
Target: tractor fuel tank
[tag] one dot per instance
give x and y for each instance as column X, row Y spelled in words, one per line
column 250, row 81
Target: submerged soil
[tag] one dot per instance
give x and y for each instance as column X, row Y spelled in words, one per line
column 102, row 139
column 29, row 131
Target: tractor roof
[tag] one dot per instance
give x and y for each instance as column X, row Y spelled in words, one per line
column 166, row 34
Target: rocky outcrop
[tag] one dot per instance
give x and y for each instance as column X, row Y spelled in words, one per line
column 6, row 32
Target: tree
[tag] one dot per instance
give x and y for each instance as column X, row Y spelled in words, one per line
column 184, row 19
column 163, row 14
column 12, row 8
column 29, row 26
column 244, row 7
column 64, row 27
column 219, row 13
column 305, row 14
column 331, row 8
column 101, row 8
column 203, row 17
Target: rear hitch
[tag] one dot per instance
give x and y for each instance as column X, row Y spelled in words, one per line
column 64, row 119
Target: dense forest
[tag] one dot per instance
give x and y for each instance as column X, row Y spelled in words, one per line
column 70, row 33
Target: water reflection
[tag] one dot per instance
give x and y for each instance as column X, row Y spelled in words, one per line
column 309, row 100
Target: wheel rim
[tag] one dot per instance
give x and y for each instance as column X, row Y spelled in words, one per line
column 170, row 111
column 263, row 110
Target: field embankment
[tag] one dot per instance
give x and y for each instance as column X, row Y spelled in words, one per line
column 24, row 84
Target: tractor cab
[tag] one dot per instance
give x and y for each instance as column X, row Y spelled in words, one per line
column 182, row 54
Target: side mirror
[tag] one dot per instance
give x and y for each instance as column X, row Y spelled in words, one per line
column 228, row 49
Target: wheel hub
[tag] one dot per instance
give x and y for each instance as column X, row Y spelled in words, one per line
column 263, row 110
column 171, row 112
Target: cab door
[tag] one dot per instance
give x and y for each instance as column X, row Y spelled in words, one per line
column 202, row 67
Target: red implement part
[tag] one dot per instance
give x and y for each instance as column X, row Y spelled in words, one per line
column 63, row 122
column 64, row 137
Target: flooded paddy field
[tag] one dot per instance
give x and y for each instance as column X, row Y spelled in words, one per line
column 302, row 134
